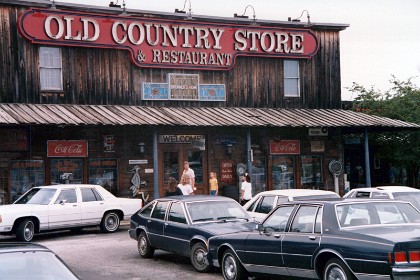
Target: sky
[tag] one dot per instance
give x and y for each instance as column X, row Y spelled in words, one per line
column 383, row 39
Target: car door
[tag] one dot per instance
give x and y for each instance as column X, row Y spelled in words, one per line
column 155, row 225
column 263, row 249
column 176, row 230
column 66, row 210
column 92, row 206
column 302, row 240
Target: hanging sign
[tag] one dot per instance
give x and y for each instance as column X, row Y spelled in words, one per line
column 166, row 43
column 285, row 147
column 70, row 148
column 227, row 171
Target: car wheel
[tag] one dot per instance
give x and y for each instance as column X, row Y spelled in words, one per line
column 110, row 222
column 25, row 230
column 144, row 247
column 335, row 269
column 197, row 256
column 232, row 268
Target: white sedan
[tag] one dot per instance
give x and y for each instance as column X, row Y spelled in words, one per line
column 65, row 207
column 261, row 204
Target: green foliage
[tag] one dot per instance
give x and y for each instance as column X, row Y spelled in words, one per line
column 401, row 102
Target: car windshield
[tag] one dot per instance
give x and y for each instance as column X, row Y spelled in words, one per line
column 216, row 211
column 413, row 197
column 375, row 213
column 37, row 265
column 37, row 196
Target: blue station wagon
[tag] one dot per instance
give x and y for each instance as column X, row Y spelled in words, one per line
column 183, row 225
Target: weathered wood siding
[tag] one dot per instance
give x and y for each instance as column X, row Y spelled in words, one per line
column 106, row 76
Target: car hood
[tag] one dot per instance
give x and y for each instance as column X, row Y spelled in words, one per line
column 219, row 228
column 406, row 232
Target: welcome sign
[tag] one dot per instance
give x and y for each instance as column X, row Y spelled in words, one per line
column 166, row 43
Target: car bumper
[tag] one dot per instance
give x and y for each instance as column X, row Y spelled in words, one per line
column 132, row 232
column 6, row 229
column 406, row 273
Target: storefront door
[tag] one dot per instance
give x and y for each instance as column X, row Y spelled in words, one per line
column 171, row 159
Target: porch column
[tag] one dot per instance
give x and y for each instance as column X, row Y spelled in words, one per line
column 367, row 163
column 249, row 152
column 155, row 165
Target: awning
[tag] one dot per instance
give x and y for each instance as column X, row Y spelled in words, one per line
column 64, row 114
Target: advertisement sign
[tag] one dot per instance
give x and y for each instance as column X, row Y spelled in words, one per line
column 67, row 148
column 180, row 139
column 166, row 43
column 227, row 171
column 284, row 147
column 13, row 139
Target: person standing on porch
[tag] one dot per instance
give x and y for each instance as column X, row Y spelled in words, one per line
column 185, row 186
column 214, row 186
column 246, row 189
column 189, row 171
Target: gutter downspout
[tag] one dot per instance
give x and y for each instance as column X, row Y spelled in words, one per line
column 367, row 162
column 155, row 165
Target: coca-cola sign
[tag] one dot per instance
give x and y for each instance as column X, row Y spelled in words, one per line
column 69, row 148
column 285, row 147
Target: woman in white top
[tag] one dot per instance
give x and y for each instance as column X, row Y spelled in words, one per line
column 185, row 186
column 246, row 189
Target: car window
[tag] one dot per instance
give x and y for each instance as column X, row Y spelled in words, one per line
column 265, row 205
column 282, row 199
column 252, row 206
column 216, row 211
column 90, row 194
column 362, row 194
column 304, row 219
column 318, row 222
column 354, row 214
column 67, row 195
column 176, row 213
column 37, row 196
column 277, row 221
column 413, row 197
column 147, row 210
column 379, row 195
column 160, row 210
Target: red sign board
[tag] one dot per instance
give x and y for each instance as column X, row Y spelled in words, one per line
column 227, row 171
column 285, row 147
column 70, row 148
column 166, row 43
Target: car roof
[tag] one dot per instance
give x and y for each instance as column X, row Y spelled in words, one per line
column 21, row 247
column 192, row 198
column 345, row 201
column 60, row 186
column 297, row 192
column 388, row 189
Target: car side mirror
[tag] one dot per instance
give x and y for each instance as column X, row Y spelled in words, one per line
column 260, row 227
column 64, row 201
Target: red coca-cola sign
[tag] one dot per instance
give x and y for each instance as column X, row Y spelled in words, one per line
column 285, row 147
column 69, row 148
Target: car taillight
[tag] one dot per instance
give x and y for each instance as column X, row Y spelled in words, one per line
column 414, row 256
column 404, row 257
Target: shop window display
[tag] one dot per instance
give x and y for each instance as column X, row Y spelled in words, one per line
column 66, row 171
column 311, row 172
column 104, row 172
column 282, row 172
column 24, row 175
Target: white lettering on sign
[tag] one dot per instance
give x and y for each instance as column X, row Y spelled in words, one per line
column 71, row 149
column 179, row 139
column 67, row 28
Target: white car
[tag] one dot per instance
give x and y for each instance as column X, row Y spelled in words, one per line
column 261, row 204
column 387, row 192
column 65, row 207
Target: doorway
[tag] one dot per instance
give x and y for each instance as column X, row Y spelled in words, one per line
column 171, row 164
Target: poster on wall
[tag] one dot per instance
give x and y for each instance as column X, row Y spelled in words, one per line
column 109, row 143
column 13, row 139
column 227, row 171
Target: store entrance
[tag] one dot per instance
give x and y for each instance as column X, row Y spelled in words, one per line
column 171, row 159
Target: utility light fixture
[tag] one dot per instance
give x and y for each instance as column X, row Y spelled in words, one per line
column 183, row 10
column 244, row 16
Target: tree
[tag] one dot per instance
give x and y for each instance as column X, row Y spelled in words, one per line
column 400, row 102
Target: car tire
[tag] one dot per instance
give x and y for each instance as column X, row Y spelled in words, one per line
column 197, row 256
column 337, row 270
column 110, row 222
column 232, row 268
column 143, row 246
column 25, row 230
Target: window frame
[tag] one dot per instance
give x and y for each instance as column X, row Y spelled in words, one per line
column 49, row 67
column 289, row 78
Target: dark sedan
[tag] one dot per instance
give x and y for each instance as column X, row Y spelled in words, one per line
column 31, row 261
column 341, row 240
column 183, row 225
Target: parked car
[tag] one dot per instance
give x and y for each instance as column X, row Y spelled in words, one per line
column 340, row 239
column 183, row 225
column 65, row 207
column 387, row 192
column 262, row 203
column 32, row 261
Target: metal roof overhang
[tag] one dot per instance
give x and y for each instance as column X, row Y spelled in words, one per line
column 74, row 115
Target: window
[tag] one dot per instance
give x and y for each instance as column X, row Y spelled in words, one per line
column 50, row 71
column 176, row 214
column 160, row 210
column 312, row 172
column 147, row 210
column 265, row 205
column 282, row 172
column 89, row 194
column 305, row 219
column 277, row 221
column 291, row 78
column 68, row 195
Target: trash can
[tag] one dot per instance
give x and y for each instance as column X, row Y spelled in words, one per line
column 231, row 191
